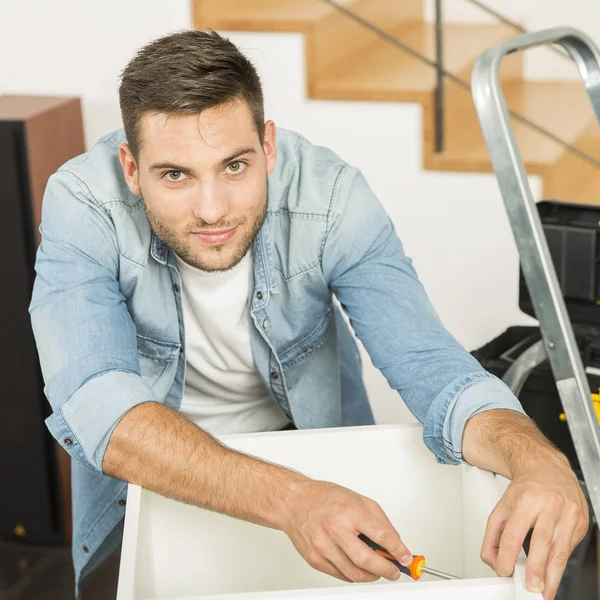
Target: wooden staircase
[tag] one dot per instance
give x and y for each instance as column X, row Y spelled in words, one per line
column 347, row 61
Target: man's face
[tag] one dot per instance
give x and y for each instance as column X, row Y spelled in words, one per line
column 203, row 179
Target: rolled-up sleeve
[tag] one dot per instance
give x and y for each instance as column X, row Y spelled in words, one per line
column 477, row 395
column 365, row 265
column 85, row 336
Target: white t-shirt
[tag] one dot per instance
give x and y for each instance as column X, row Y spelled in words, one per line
column 223, row 391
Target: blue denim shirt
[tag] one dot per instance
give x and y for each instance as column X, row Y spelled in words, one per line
column 107, row 318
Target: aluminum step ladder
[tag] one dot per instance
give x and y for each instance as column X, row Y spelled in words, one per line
column 558, row 340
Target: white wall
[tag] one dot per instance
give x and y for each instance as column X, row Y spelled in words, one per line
column 453, row 225
column 70, row 47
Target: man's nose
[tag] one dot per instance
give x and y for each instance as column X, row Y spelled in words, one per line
column 210, row 206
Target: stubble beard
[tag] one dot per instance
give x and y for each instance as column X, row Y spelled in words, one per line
column 186, row 253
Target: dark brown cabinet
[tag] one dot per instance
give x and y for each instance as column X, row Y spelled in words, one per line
column 37, row 135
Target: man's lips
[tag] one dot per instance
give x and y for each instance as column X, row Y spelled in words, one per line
column 215, row 237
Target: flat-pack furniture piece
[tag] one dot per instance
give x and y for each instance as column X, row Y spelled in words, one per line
column 175, row 551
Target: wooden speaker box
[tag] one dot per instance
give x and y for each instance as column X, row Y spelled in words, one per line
column 37, row 135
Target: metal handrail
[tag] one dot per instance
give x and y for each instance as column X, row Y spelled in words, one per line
column 506, row 21
column 498, row 16
column 382, row 33
column 439, row 84
column 443, row 73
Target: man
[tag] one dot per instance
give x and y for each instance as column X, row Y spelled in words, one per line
column 184, row 288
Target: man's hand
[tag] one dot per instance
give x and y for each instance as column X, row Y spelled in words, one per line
column 323, row 521
column 159, row 449
column 549, row 500
column 544, row 495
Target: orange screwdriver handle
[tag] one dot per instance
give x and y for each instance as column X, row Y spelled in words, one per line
column 414, row 570
column 416, row 567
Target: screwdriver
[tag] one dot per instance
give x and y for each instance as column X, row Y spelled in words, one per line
column 417, row 567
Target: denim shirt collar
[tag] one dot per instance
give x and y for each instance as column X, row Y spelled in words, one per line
column 264, row 282
column 158, row 249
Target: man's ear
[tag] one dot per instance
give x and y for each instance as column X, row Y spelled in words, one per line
column 270, row 146
column 130, row 170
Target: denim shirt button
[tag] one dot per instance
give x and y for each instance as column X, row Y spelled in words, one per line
column 309, row 349
column 259, row 295
column 275, row 375
column 68, row 442
column 85, row 549
column 265, row 324
column 175, row 287
column 122, row 502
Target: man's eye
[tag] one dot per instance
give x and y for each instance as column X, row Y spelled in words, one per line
column 236, row 167
column 174, row 175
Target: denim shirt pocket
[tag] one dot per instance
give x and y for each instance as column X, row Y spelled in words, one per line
column 155, row 357
column 305, row 347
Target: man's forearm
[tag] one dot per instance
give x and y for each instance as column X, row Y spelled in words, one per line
column 506, row 442
column 157, row 448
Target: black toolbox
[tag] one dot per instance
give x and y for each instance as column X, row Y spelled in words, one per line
column 573, row 234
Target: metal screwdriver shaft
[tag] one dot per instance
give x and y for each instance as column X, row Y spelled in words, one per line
column 440, row 574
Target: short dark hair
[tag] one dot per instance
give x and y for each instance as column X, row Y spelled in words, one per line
column 185, row 73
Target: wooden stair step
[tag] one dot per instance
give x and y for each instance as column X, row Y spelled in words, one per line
column 347, row 61
column 575, row 179
column 561, row 108
column 590, row 194
column 384, row 71
column 343, row 34
column 297, row 15
column 330, row 33
column 260, row 15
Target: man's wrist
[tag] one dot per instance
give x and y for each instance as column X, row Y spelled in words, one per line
column 509, row 443
column 541, row 455
column 266, row 491
column 292, row 486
